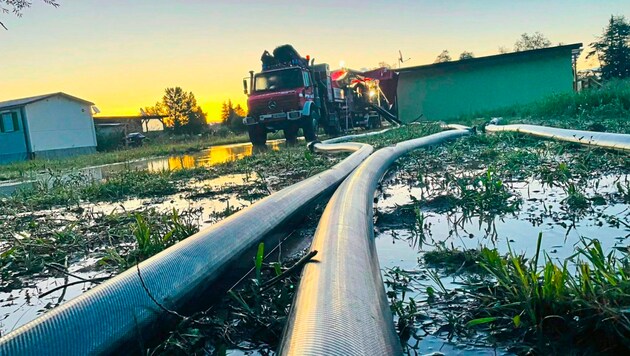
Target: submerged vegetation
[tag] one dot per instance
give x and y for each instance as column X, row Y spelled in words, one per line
column 249, row 318
column 58, row 220
column 153, row 234
column 70, row 190
column 32, row 243
column 529, row 306
column 497, row 298
column 469, row 202
column 71, row 223
column 485, row 194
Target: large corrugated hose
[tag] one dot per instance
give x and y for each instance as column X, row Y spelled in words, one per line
column 120, row 312
column 601, row 139
column 341, row 307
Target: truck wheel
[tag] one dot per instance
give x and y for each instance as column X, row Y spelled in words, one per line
column 374, row 122
column 332, row 129
column 379, row 122
column 310, row 126
column 290, row 134
column 257, row 135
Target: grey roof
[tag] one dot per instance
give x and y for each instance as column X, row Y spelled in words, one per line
column 491, row 59
column 9, row 104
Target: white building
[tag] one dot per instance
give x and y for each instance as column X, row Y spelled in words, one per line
column 47, row 126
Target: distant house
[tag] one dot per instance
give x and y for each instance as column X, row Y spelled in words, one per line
column 127, row 124
column 48, row 126
column 446, row 90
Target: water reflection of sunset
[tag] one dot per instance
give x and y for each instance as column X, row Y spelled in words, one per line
column 206, row 158
column 180, row 162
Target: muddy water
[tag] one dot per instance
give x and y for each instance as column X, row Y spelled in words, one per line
column 19, row 306
column 541, row 211
column 213, row 196
column 212, row 156
column 401, row 241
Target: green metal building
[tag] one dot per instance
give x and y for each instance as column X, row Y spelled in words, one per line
column 446, row 90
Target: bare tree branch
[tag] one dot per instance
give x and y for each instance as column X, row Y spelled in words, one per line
column 16, row 7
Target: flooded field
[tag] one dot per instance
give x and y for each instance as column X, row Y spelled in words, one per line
column 206, row 158
column 442, row 212
column 55, row 245
column 540, row 209
column 438, row 214
column 24, row 297
column 407, row 230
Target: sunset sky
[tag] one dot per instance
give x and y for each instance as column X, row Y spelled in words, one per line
column 121, row 54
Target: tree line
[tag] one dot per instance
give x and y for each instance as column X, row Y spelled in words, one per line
column 232, row 117
column 181, row 114
column 524, row 43
column 612, row 48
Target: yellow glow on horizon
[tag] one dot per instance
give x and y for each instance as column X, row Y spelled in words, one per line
column 212, row 108
column 120, row 87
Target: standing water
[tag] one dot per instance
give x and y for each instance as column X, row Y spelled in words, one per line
column 206, row 158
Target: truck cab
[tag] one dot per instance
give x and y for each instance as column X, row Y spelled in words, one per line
column 283, row 97
column 279, row 98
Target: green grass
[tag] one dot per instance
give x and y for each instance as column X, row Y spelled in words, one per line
column 582, row 301
column 485, row 194
column 60, row 190
column 509, row 157
column 454, row 260
column 528, row 305
column 153, row 233
column 479, row 194
column 401, row 134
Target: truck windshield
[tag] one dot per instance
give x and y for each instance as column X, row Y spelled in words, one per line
column 277, row 80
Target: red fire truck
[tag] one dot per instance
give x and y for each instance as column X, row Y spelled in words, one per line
column 293, row 93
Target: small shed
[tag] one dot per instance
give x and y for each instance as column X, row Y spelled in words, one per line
column 447, row 90
column 47, row 126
